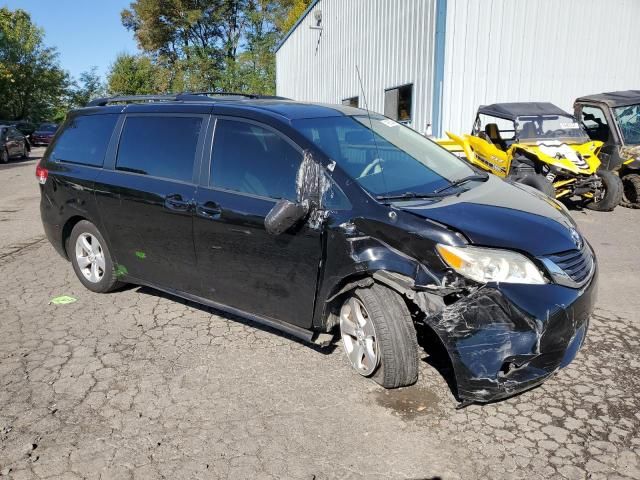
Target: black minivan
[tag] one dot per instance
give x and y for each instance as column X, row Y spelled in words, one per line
column 318, row 219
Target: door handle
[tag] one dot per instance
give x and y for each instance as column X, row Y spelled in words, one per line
column 209, row 210
column 176, row 203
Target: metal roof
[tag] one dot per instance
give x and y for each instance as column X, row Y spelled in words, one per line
column 521, row 109
column 298, row 22
column 614, row 99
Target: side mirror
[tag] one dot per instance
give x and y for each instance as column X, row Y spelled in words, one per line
column 283, row 216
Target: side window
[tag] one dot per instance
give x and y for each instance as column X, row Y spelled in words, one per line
column 398, row 102
column 159, row 146
column 595, row 122
column 251, row 159
column 84, row 140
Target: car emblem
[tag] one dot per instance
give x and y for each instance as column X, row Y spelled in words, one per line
column 577, row 239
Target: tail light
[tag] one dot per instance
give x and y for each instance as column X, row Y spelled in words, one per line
column 41, row 174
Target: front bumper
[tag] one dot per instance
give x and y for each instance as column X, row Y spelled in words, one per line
column 40, row 140
column 504, row 339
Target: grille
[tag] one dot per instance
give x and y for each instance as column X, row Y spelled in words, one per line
column 575, row 263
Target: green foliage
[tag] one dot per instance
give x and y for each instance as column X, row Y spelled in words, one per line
column 88, row 87
column 202, row 45
column 136, row 75
column 32, row 84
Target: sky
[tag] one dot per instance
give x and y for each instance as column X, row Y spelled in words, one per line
column 85, row 32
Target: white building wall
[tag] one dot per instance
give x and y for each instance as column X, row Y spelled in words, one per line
column 390, row 41
column 494, row 51
column 536, row 50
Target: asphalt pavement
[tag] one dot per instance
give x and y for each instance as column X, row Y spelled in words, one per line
column 137, row 384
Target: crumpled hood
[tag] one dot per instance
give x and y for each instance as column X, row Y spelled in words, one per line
column 503, row 215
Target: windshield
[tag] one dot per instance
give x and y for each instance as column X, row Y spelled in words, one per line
column 550, row 127
column 397, row 161
column 628, row 119
column 47, row 127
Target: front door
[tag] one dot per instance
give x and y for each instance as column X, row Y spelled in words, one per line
column 241, row 265
column 595, row 122
column 148, row 198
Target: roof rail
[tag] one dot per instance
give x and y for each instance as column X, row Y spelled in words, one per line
column 179, row 97
column 252, row 96
column 101, row 102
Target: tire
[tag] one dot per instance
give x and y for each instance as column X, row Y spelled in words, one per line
column 539, row 183
column 631, row 190
column 612, row 192
column 105, row 280
column 4, row 156
column 395, row 341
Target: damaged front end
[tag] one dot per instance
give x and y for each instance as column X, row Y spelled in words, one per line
column 501, row 338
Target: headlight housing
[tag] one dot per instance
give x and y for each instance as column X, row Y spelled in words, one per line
column 491, row 265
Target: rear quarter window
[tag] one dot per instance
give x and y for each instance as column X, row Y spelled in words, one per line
column 84, row 140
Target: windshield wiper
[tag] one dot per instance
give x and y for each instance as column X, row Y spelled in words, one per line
column 407, row 196
column 461, row 181
column 437, row 193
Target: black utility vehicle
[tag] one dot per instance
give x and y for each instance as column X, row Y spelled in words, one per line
column 317, row 219
column 614, row 118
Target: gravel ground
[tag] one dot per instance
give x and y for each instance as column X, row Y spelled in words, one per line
column 136, row 384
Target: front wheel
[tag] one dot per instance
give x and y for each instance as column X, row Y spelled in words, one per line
column 4, row 156
column 540, row 183
column 378, row 336
column 91, row 258
column 610, row 195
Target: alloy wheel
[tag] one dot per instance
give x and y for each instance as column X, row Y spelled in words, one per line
column 359, row 337
column 90, row 257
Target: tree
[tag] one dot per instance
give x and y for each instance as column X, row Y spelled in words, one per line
column 210, row 45
column 295, row 10
column 88, row 87
column 136, row 75
column 32, row 84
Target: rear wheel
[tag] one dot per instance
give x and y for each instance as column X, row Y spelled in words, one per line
column 540, row 183
column 631, row 190
column 90, row 258
column 378, row 336
column 610, row 195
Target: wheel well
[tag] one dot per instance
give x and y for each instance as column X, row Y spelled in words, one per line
column 332, row 305
column 363, row 280
column 66, row 231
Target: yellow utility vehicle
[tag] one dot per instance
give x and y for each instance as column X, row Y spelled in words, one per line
column 540, row 145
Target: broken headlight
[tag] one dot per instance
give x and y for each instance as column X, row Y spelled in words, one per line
column 491, row 265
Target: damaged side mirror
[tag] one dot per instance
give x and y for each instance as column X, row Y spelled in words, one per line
column 284, row 215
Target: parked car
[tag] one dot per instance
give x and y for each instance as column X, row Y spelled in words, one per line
column 614, row 119
column 13, row 144
column 25, row 127
column 44, row 134
column 542, row 146
column 316, row 219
